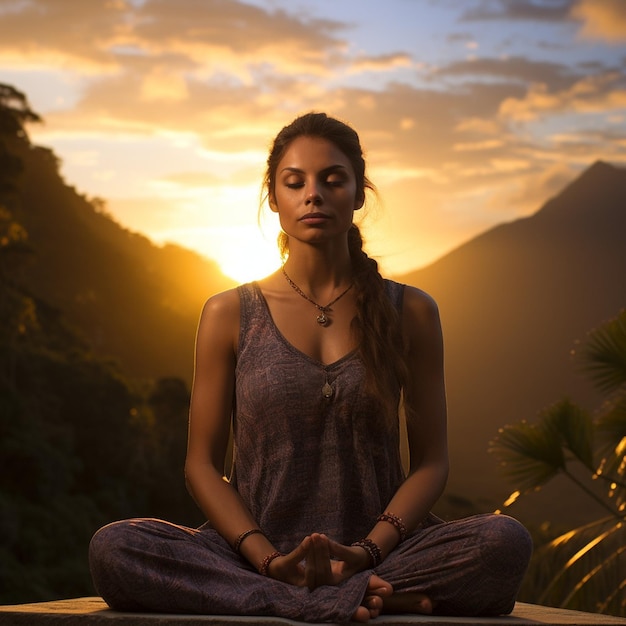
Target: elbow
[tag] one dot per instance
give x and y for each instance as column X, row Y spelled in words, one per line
column 188, row 475
column 198, row 473
column 442, row 469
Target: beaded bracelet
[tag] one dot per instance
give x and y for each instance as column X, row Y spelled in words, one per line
column 265, row 563
column 376, row 557
column 247, row 533
column 395, row 521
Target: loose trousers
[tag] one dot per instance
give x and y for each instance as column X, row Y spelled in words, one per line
column 473, row 566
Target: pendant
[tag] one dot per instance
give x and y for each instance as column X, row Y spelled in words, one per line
column 327, row 390
column 322, row 320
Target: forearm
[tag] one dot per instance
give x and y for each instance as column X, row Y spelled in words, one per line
column 227, row 513
column 411, row 503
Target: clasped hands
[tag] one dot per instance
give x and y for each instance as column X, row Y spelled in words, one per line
column 319, row 561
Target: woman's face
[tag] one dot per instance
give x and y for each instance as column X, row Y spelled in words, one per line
column 315, row 190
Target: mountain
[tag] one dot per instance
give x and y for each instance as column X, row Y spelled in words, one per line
column 134, row 301
column 514, row 301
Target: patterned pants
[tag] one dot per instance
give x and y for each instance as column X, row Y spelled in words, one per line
column 472, row 566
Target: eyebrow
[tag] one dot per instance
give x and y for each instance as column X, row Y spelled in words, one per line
column 326, row 170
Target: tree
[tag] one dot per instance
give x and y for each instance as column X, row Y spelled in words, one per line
column 15, row 112
column 585, row 567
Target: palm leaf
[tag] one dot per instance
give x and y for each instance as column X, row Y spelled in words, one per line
column 596, row 574
column 529, row 454
column 604, row 354
column 586, row 567
column 611, row 426
column 574, row 427
column 611, row 423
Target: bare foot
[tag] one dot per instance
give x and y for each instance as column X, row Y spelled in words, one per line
column 372, row 603
column 409, row 603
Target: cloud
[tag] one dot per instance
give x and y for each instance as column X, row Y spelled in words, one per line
column 459, row 139
column 64, row 31
column 204, row 37
column 603, row 93
column 511, row 69
column 532, row 10
column 602, row 19
column 381, row 63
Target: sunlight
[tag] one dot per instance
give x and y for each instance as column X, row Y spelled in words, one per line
column 253, row 260
column 243, row 253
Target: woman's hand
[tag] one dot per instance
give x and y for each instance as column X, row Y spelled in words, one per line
column 319, row 561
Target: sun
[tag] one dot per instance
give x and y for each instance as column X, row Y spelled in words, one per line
column 253, row 260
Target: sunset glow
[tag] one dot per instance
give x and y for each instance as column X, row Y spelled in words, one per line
column 471, row 114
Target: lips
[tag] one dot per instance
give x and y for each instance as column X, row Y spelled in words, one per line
column 314, row 216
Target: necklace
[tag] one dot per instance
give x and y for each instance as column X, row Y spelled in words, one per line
column 322, row 319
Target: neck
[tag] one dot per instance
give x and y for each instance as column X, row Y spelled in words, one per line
column 317, row 270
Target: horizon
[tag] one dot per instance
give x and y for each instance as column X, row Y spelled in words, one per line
column 471, row 115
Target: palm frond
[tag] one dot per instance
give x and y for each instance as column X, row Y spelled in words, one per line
column 604, row 354
column 611, row 426
column 611, row 423
column 574, row 426
column 597, row 572
column 586, row 565
column 529, row 454
column 614, row 603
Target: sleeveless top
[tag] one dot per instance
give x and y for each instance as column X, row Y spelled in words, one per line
column 303, row 462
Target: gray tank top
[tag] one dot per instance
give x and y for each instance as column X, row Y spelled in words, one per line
column 304, row 462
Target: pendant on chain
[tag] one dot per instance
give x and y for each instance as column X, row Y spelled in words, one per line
column 327, row 390
column 322, row 320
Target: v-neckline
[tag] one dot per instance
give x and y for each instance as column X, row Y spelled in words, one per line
column 290, row 346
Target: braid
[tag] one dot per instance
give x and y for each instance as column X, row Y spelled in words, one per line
column 377, row 327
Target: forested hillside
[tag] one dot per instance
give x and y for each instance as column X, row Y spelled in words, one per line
column 96, row 336
column 134, row 300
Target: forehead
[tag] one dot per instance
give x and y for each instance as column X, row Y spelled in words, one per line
column 312, row 154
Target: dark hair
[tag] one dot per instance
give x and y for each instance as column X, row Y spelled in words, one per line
column 324, row 127
column 377, row 326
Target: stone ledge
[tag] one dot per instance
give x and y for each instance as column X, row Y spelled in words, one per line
column 95, row 612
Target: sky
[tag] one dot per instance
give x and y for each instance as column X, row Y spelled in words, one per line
column 471, row 112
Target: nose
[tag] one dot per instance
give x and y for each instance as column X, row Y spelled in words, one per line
column 314, row 196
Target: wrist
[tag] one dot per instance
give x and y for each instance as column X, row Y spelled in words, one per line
column 264, row 567
column 371, row 549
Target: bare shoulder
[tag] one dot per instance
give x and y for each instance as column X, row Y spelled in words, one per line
column 220, row 317
column 419, row 307
column 222, row 305
column 421, row 325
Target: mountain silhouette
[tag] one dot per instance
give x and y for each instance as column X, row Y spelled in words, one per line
column 514, row 301
column 134, row 301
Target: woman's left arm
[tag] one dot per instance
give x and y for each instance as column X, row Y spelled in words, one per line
column 426, row 416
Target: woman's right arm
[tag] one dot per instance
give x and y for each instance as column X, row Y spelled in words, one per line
column 209, row 426
column 209, row 429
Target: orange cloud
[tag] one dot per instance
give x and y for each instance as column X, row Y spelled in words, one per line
column 591, row 94
column 602, row 19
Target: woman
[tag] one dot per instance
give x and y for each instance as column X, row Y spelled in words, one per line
column 318, row 521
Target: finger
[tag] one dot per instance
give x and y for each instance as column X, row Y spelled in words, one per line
column 356, row 559
column 318, row 571
column 300, row 552
column 341, row 552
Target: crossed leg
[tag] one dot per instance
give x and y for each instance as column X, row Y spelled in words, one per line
column 379, row 598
